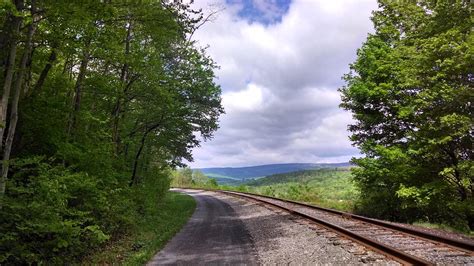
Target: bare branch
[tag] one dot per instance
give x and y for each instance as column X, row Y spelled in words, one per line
column 214, row 10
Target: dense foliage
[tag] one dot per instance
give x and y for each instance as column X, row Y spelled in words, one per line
column 327, row 187
column 298, row 176
column 148, row 234
column 243, row 174
column 411, row 92
column 186, row 177
column 98, row 100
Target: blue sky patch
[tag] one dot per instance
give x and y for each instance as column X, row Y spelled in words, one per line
column 262, row 11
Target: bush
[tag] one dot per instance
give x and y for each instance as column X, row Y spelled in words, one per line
column 53, row 215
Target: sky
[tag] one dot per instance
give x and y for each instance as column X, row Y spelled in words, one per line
column 281, row 63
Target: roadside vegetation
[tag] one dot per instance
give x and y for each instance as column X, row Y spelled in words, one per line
column 188, row 178
column 411, row 91
column 327, row 187
column 148, row 233
column 99, row 101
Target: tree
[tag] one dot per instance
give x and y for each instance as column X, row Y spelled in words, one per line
column 199, row 178
column 100, row 99
column 182, row 177
column 411, row 91
column 212, row 182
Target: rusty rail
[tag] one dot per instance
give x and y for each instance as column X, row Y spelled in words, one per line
column 457, row 243
column 397, row 255
column 393, row 253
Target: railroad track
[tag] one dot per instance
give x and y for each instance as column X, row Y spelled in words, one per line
column 406, row 245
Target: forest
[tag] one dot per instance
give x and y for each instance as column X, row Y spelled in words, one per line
column 99, row 100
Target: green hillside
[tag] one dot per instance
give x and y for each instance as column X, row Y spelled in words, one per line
column 330, row 187
column 217, row 176
column 304, row 176
column 239, row 175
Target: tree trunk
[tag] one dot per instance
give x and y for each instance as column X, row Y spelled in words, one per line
column 78, row 91
column 133, row 179
column 118, row 104
column 115, row 125
column 44, row 73
column 10, row 69
column 20, row 78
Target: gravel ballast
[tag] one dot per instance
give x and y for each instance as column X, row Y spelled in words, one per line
column 281, row 238
column 418, row 247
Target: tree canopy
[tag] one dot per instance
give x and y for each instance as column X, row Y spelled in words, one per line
column 99, row 98
column 411, row 92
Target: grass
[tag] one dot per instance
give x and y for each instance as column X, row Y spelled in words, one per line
column 330, row 188
column 336, row 191
column 445, row 227
column 149, row 235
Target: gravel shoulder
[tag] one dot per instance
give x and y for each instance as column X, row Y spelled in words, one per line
column 280, row 238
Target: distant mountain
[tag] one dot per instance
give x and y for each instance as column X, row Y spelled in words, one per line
column 302, row 176
column 236, row 175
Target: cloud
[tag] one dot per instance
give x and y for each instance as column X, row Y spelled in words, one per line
column 280, row 80
column 248, row 99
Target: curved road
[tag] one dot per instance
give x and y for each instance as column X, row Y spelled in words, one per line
column 214, row 235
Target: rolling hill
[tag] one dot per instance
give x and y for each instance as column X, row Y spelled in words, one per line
column 239, row 175
column 303, row 176
column 327, row 187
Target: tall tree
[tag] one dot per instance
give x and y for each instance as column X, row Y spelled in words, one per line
column 411, row 91
column 9, row 38
column 99, row 100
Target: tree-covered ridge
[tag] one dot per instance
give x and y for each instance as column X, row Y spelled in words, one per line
column 98, row 100
column 411, row 92
column 250, row 172
column 302, row 177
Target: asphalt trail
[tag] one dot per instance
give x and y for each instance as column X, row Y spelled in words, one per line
column 214, row 235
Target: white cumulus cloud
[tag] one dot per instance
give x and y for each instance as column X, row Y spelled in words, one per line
column 280, row 80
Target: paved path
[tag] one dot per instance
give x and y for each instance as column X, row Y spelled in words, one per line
column 213, row 236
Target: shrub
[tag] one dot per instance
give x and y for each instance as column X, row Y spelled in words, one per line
column 54, row 216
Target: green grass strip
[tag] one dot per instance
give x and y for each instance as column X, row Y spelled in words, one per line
column 150, row 234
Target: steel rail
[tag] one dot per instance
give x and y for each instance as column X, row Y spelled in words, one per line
column 397, row 255
column 389, row 251
column 457, row 243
